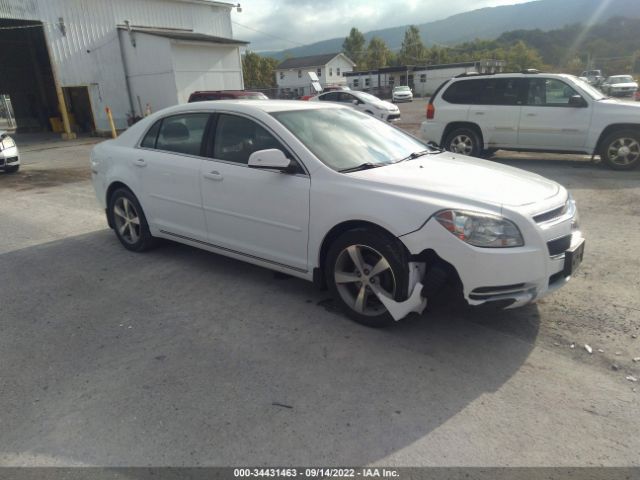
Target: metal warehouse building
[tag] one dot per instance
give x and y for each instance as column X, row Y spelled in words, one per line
column 65, row 61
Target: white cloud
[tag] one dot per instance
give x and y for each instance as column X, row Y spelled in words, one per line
column 276, row 25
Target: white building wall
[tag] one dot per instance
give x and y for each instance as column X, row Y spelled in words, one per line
column 435, row 78
column 88, row 54
column 205, row 67
column 330, row 71
column 150, row 58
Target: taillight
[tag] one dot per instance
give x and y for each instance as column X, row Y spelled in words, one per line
column 431, row 111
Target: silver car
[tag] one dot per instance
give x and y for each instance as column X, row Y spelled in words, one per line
column 402, row 94
column 620, row 86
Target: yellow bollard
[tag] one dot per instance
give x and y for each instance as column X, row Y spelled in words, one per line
column 114, row 134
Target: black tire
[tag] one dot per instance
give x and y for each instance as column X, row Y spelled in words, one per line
column 613, row 146
column 464, row 141
column 134, row 236
column 371, row 244
column 12, row 169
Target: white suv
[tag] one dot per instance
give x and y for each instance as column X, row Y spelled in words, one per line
column 479, row 114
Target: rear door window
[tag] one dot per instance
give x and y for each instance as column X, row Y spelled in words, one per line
column 182, row 133
column 464, row 92
column 502, row 91
column 149, row 140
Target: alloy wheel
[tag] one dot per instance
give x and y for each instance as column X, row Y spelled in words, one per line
column 462, row 144
column 624, row 151
column 359, row 270
column 127, row 220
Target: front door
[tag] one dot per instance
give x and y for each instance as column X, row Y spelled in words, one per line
column 261, row 214
column 547, row 121
column 169, row 162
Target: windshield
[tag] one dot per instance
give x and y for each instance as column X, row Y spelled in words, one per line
column 621, row 79
column 402, row 88
column 588, row 89
column 344, row 138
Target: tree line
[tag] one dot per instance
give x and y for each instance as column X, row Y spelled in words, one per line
column 613, row 46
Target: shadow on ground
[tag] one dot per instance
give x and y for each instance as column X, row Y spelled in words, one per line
column 182, row 357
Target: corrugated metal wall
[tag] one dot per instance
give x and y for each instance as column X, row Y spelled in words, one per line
column 88, row 51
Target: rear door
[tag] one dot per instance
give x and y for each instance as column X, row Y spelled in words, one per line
column 548, row 122
column 496, row 109
column 169, row 162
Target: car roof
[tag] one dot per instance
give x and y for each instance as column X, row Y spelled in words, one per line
column 513, row 75
column 250, row 106
column 231, row 92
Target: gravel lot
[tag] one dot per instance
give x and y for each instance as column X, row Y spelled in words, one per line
column 182, row 357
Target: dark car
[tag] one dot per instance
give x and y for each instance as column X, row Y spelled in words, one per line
column 226, row 95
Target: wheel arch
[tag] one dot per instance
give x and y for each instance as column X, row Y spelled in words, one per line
column 453, row 125
column 333, row 234
column 609, row 129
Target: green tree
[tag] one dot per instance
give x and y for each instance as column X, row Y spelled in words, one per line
column 353, row 47
column 522, row 57
column 413, row 51
column 377, row 53
column 258, row 71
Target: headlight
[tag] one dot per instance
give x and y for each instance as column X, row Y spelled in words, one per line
column 481, row 230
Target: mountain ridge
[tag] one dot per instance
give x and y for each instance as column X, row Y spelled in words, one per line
column 486, row 23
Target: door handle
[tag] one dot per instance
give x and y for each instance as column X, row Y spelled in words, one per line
column 479, row 113
column 140, row 162
column 215, row 175
column 532, row 114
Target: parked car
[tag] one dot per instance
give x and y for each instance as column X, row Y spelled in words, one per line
column 476, row 115
column 226, row 95
column 9, row 156
column 364, row 102
column 401, row 94
column 620, row 86
column 594, row 77
column 331, row 195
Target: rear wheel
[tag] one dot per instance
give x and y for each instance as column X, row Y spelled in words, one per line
column 621, row 150
column 129, row 222
column 464, row 141
column 360, row 261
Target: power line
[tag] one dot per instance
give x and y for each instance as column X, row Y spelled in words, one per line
column 268, row 34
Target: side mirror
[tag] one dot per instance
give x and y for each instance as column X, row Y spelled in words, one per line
column 577, row 101
column 355, row 102
column 271, row 158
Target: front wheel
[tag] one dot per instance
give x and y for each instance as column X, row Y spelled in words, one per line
column 360, row 261
column 129, row 222
column 621, row 150
column 12, row 168
column 464, row 141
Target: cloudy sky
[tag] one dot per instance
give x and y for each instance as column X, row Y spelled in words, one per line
column 280, row 24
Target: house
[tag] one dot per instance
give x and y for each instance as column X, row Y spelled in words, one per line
column 292, row 75
column 423, row 80
column 66, row 61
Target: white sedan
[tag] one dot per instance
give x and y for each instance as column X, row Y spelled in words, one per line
column 364, row 102
column 9, row 156
column 328, row 194
column 401, row 94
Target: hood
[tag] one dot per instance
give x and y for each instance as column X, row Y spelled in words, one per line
column 625, row 85
column 384, row 105
column 465, row 178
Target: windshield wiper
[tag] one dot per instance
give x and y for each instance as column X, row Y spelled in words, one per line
column 415, row 155
column 363, row 166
